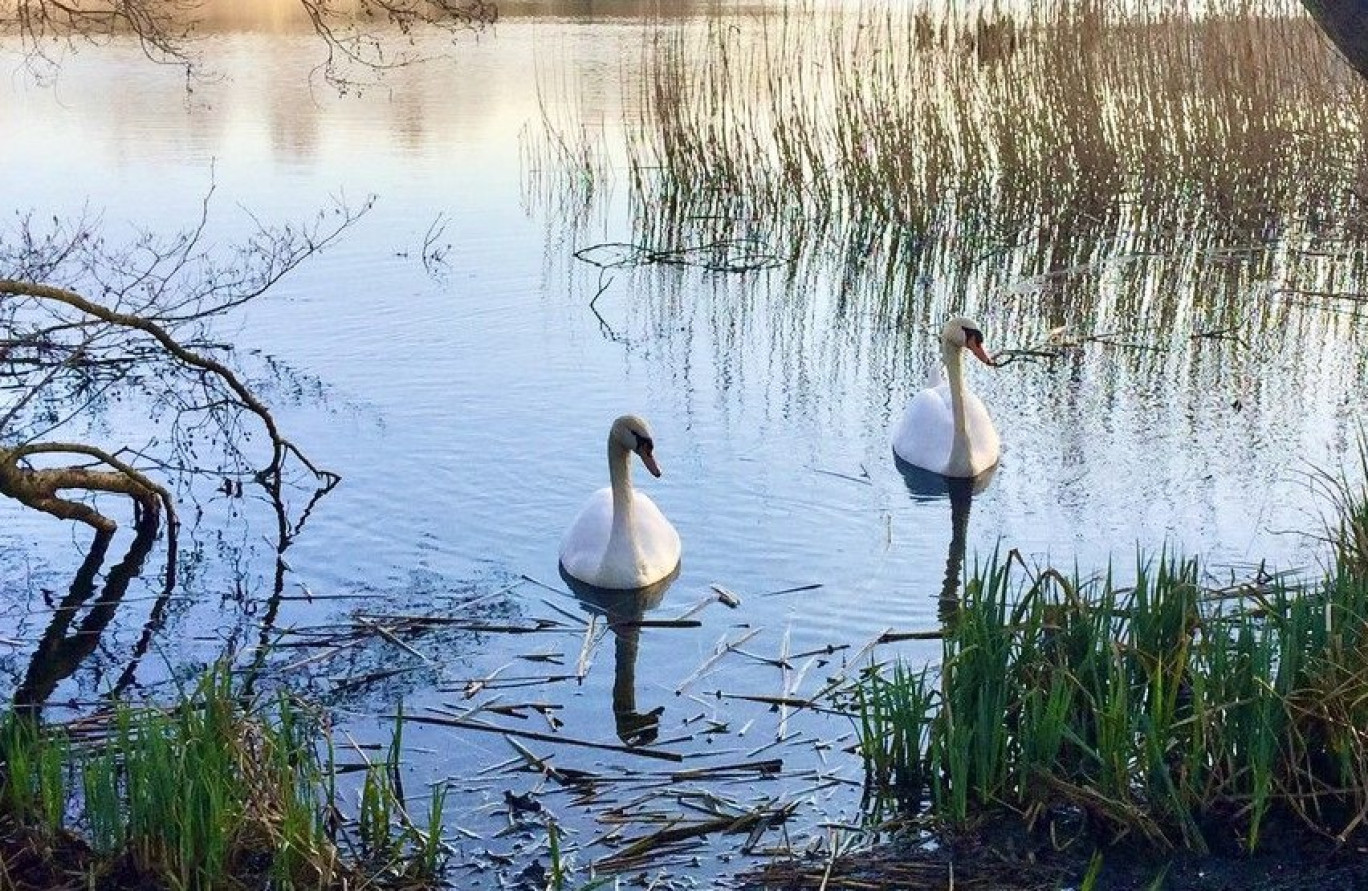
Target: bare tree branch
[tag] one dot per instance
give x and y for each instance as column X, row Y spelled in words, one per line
column 360, row 38
column 84, row 324
column 194, row 360
column 163, row 28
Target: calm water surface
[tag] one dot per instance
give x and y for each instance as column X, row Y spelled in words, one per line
column 466, row 406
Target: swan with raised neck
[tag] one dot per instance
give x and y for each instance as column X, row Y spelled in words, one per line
column 946, row 428
column 620, row 539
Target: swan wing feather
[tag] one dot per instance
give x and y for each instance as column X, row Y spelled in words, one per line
column 984, row 445
column 658, row 545
column 926, row 430
column 925, row 435
column 584, row 543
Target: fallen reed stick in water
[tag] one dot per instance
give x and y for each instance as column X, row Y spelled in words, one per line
column 340, row 684
column 781, row 701
column 586, row 649
column 720, row 649
column 544, row 737
column 794, row 590
column 394, row 639
column 728, row 824
column 506, row 683
column 658, row 623
column 716, row 771
column 895, row 636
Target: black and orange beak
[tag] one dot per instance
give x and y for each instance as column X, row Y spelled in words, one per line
column 645, row 447
column 648, row 458
column 974, row 341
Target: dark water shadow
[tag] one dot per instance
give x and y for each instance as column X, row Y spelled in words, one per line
column 65, row 643
column 624, row 611
column 926, row 486
column 72, row 636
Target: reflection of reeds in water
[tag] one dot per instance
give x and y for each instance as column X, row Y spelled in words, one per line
column 570, row 146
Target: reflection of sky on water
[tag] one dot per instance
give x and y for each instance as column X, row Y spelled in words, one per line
column 771, row 392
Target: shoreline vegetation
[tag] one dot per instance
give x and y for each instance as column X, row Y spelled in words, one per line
column 1077, row 732
column 214, row 791
column 1085, row 733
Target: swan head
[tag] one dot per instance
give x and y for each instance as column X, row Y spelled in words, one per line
column 960, row 333
column 633, row 434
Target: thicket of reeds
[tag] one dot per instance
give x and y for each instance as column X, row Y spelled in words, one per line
column 1160, row 710
column 901, row 121
column 212, row 792
column 1215, row 147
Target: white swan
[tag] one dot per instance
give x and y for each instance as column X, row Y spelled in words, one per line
column 621, row 539
column 946, row 428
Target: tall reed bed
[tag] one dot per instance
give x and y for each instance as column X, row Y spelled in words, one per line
column 1179, row 179
column 895, row 117
column 208, row 794
column 901, row 141
column 1155, row 708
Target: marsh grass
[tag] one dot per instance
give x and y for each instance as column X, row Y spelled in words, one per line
column 893, row 715
column 1103, row 165
column 1152, row 709
column 1348, row 537
column 208, row 794
column 904, row 123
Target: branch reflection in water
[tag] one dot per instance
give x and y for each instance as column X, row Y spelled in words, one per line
column 926, row 486
column 624, row 611
column 67, row 644
column 62, row 649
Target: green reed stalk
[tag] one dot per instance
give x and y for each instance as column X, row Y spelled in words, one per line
column 34, row 786
column 105, row 814
column 429, row 855
column 892, row 721
column 559, row 873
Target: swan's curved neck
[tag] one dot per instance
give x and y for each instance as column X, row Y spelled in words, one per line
column 620, row 475
column 954, row 375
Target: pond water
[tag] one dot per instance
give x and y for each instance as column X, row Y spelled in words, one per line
column 465, row 401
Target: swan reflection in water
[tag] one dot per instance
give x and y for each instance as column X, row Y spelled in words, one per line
column 960, row 491
column 624, row 611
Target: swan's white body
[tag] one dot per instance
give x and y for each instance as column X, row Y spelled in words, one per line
column 946, row 428
column 620, row 539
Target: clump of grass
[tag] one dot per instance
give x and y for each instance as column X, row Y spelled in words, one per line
column 893, row 730
column 1155, row 709
column 34, row 786
column 390, row 842
column 207, row 794
column 1349, row 539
